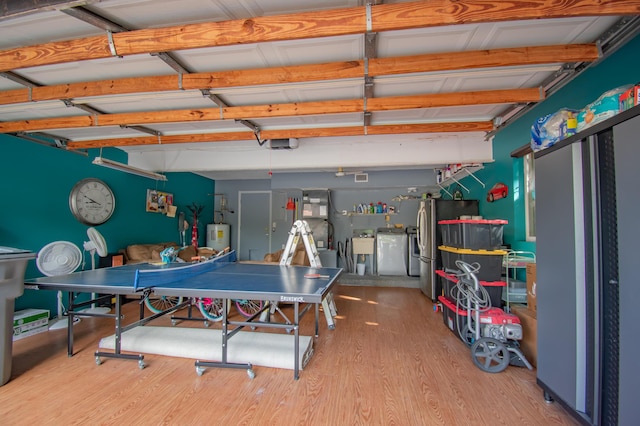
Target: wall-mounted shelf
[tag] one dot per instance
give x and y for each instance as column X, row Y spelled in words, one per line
column 370, row 214
column 458, row 176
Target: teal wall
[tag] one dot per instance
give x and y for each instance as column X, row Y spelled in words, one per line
column 621, row 68
column 35, row 182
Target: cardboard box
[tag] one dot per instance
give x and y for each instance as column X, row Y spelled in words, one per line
column 532, row 301
column 626, row 100
column 117, row 260
column 629, row 99
column 28, row 322
column 31, row 332
column 529, row 323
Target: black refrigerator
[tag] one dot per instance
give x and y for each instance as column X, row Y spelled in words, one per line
column 429, row 237
column 588, row 281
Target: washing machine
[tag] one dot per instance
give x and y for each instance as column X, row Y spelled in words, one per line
column 391, row 251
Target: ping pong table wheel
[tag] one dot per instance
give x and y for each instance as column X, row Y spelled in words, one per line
column 251, row 373
column 141, row 365
column 98, row 361
column 199, row 371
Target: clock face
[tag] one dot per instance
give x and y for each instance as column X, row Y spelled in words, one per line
column 91, row 201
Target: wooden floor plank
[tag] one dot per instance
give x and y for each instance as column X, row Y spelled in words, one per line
column 390, row 361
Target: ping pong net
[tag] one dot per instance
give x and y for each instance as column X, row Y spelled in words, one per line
column 148, row 278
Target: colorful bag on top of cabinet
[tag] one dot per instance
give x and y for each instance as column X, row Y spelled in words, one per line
column 606, row 106
column 548, row 130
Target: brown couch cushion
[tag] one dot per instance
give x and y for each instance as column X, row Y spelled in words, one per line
column 187, row 253
column 273, row 257
column 299, row 258
column 137, row 253
column 206, row 251
column 141, row 253
column 155, row 254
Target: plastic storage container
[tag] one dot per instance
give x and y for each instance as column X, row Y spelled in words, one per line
column 13, row 263
column 517, row 292
column 494, row 288
column 454, row 319
column 489, row 261
column 472, row 234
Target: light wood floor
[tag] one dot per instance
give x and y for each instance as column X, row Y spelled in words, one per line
column 390, row 361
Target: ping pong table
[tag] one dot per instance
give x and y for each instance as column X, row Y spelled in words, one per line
column 217, row 278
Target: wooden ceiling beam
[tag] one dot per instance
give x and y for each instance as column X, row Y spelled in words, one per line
column 325, row 23
column 439, row 100
column 435, row 13
column 162, row 140
column 316, row 72
column 509, row 96
column 473, row 126
column 507, row 57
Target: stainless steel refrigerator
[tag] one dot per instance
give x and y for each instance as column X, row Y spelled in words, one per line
column 429, row 238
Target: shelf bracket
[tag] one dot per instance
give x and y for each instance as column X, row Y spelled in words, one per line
column 456, row 177
column 475, row 177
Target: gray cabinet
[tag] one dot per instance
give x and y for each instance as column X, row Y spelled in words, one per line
column 587, row 200
column 627, row 153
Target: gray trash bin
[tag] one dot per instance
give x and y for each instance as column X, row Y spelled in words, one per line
column 13, row 263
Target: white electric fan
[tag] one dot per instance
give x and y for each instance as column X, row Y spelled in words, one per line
column 96, row 244
column 59, row 258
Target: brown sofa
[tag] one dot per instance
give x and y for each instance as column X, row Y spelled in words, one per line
column 149, row 253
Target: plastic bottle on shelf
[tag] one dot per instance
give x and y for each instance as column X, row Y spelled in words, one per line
column 384, row 207
column 379, row 207
column 447, row 173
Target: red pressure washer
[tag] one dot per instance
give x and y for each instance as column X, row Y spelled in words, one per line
column 492, row 333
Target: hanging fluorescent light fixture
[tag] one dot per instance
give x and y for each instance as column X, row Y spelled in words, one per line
column 105, row 162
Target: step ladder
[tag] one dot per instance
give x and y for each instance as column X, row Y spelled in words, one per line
column 300, row 229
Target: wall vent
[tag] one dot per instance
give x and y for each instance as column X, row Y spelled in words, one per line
column 361, row 177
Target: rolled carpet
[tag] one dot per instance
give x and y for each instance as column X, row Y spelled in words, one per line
column 264, row 349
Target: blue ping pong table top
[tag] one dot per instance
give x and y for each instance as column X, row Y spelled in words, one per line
column 217, row 278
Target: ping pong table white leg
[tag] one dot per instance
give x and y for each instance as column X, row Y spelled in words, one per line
column 264, row 316
column 332, row 305
column 328, row 307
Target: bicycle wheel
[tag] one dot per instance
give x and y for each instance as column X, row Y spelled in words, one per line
column 212, row 309
column 161, row 304
column 249, row 308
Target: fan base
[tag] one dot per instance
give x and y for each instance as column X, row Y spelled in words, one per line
column 95, row 310
column 61, row 323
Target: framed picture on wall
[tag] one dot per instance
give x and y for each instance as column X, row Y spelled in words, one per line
column 158, row 201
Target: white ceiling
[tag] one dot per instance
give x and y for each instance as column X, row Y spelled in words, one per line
column 234, row 159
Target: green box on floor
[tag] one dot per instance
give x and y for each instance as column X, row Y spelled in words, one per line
column 26, row 321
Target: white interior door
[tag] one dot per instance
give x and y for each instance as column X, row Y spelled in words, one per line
column 254, row 225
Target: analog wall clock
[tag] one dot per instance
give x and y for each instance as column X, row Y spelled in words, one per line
column 91, row 201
